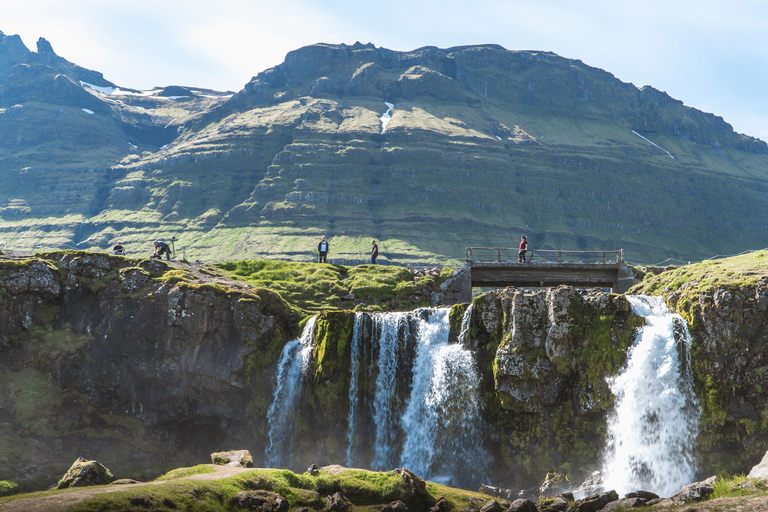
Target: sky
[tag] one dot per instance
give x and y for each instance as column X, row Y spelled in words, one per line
column 711, row 55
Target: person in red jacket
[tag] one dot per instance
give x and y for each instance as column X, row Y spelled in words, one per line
column 523, row 250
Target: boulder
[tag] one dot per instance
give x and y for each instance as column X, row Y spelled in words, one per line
column 491, row 506
column 643, row 495
column 235, row 458
column 416, row 495
column 441, row 505
column 623, row 504
column 338, row 502
column 84, row 473
column 522, row 505
column 696, row 491
column 263, row 501
column 596, row 502
column 125, row 481
column 761, row 470
column 560, row 503
column 498, row 492
column 395, row 506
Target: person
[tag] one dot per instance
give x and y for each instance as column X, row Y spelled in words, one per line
column 374, row 252
column 322, row 250
column 119, row 249
column 523, row 250
column 160, row 248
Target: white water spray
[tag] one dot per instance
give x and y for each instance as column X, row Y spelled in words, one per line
column 354, row 392
column 386, row 401
column 652, row 432
column 442, row 421
column 291, row 369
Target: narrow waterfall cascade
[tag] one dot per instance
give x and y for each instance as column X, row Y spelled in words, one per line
column 354, row 390
column 390, row 329
column 293, row 365
column 386, row 117
column 653, row 429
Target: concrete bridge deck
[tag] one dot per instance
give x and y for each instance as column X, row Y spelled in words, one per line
column 498, row 267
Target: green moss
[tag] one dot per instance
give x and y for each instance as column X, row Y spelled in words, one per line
column 200, row 469
column 8, row 488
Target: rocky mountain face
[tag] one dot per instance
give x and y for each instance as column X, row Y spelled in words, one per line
column 481, row 145
column 125, row 362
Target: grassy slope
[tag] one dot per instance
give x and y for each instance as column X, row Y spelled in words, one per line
column 367, row 490
column 691, row 280
column 315, row 287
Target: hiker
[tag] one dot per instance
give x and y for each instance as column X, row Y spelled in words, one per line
column 322, row 250
column 160, row 248
column 523, row 250
column 119, row 249
column 374, row 252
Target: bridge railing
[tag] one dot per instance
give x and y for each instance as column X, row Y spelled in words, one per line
column 510, row 254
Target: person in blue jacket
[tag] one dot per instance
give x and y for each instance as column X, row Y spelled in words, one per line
column 322, row 250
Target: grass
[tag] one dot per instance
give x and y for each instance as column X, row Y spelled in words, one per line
column 315, row 287
column 734, row 272
column 200, row 469
column 738, row 485
column 367, row 490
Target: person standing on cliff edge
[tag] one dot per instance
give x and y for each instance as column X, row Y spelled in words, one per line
column 523, row 250
column 374, row 252
column 322, row 250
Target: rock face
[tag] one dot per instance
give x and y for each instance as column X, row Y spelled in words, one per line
column 546, row 354
column 729, row 354
column 97, row 354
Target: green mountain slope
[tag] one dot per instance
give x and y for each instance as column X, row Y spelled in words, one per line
column 482, row 145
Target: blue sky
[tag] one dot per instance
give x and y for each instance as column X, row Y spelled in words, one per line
column 712, row 55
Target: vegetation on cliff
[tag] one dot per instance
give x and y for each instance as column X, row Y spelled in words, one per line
column 315, row 287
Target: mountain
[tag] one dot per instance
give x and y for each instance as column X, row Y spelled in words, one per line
column 480, row 146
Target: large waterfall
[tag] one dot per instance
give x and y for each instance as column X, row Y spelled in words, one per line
column 652, row 432
column 413, row 398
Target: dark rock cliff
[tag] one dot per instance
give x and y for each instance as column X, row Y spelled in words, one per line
column 102, row 359
column 127, row 362
column 729, row 356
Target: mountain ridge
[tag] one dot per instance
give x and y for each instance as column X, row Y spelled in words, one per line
column 484, row 144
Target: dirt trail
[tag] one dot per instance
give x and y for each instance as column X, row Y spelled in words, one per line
column 59, row 501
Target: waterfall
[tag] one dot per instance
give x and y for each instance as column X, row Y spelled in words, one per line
column 386, row 400
column 652, row 431
column 413, row 398
column 442, row 420
column 386, row 117
column 354, row 392
column 293, row 365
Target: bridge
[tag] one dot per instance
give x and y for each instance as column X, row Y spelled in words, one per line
column 497, row 267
